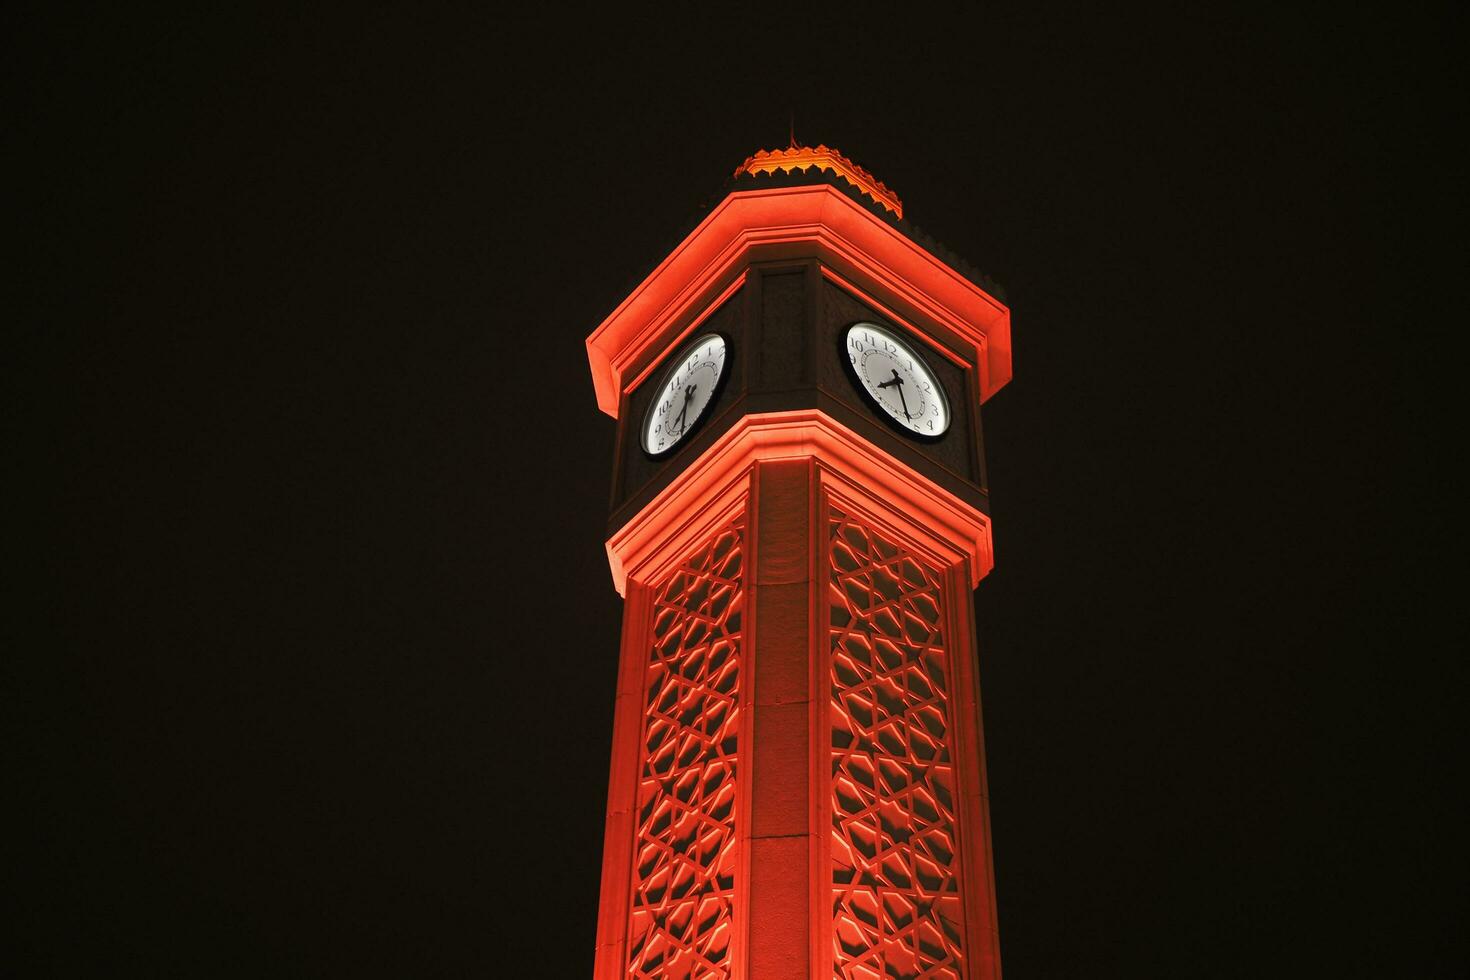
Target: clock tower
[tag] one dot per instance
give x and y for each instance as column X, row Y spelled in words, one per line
column 799, row 520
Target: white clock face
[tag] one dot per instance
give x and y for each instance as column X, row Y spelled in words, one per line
column 686, row 392
column 897, row 379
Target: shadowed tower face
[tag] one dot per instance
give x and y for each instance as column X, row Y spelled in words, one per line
column 799, row 519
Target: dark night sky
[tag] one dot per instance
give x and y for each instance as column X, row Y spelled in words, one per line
column 324, row 642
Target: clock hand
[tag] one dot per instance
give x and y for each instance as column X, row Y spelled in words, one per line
column 902, row 400
column 688, row 394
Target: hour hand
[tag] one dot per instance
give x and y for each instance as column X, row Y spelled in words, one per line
column 688, row 394
column 902, row 400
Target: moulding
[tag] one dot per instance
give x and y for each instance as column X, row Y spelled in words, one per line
column 782, row 222
column 933, row 520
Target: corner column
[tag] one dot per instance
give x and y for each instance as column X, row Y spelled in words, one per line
column 617, row 846
column 782, row 845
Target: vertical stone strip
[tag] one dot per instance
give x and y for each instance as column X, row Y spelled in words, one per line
column 781, row 832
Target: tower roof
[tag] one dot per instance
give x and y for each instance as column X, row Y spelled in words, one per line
column 799, row 159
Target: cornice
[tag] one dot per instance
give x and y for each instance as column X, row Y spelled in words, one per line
column 780, row 222
column 944, row 528
column 800, row 159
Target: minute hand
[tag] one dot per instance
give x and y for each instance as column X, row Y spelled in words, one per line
column 901, row 400
column 688, row 394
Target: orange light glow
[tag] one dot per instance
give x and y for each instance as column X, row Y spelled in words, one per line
column 795, row 159
column 942, row 527
column 789, row 573
column 797, row 784
column 818, row 221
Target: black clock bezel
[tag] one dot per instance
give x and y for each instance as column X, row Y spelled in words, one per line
column 880, row 410
column 663, row 379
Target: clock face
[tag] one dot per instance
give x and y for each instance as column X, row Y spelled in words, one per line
column 897, row 379
column 685, row 393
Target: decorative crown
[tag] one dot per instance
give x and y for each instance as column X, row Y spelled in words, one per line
column 797, row 159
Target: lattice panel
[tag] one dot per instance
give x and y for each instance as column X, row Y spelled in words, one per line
column 895, row 864
column 684, row 874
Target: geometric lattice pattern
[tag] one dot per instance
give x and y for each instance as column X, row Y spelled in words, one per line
column 684, row 872
column 895, row 865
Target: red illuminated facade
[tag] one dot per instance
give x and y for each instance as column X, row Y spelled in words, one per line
column 797, row 785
